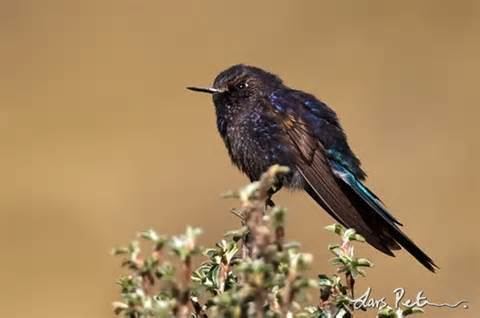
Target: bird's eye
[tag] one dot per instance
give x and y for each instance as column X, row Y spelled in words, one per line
column 242, row 85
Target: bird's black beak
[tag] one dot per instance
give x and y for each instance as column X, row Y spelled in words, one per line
column 209, row 90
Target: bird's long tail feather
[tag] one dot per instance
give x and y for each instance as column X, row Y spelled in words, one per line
column 353, row 205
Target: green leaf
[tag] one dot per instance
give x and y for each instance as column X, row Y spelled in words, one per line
column 411, row 311
column 335, row 228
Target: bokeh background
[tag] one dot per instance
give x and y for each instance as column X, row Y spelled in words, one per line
column 100, row 139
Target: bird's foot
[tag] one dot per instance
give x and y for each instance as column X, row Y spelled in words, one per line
column 269, row 203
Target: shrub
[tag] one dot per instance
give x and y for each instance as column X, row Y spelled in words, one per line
column 252, row 272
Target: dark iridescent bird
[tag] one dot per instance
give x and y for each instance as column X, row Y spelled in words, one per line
column 264, row 122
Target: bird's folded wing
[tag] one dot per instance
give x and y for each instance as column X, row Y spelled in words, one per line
column 329, row 191
column 339, row 190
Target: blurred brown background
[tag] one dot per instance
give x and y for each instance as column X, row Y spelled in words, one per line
column 100, row 139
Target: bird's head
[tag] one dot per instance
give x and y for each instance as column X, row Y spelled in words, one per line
column 240, row 86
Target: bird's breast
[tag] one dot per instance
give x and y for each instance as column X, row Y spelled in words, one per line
column 255, row 142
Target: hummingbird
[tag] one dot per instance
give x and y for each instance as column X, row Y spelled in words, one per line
column 264, row 122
